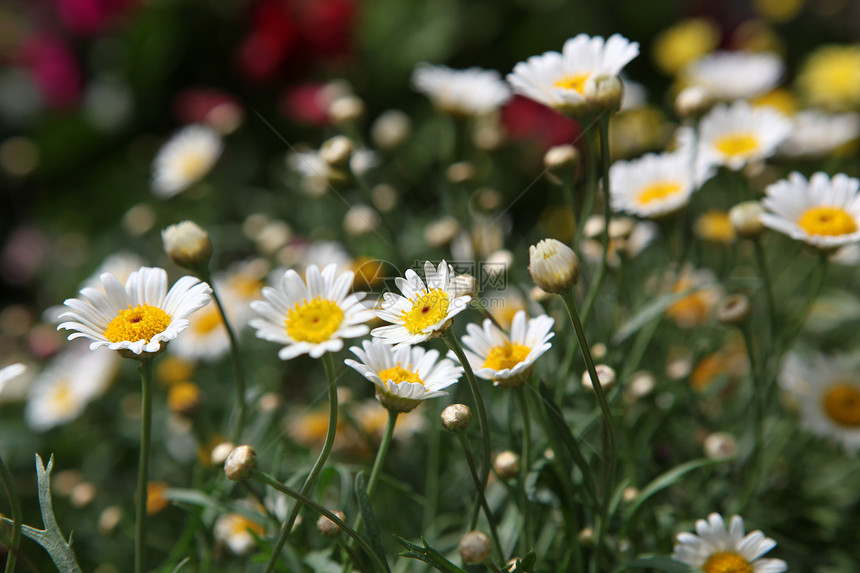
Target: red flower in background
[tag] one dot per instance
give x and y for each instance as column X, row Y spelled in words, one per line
column 87, row 17
column 306, row 103
column 53, row 68
column 527, row 119
column 218, row 109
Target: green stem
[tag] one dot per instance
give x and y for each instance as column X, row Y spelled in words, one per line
column 758, row 423
column 236, row 357
column 303, row 499
column 17, row 516
column 525, row 464
column 590, row 190
column 611, row 448
column 768, row 286
column 328, row 362
column 143, row 465
column 382, row 452
column 482, row 500
column 454, row 345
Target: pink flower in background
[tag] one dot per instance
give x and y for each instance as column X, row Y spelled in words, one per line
column 54, row 69
column 88, row 17
column 306, row 103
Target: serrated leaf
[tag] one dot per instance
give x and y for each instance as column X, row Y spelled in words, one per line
column 666, row 564
column 370, row 526
column 428, row 555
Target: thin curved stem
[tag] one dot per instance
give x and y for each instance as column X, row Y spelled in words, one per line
column 328, row 362
column 454, row 345
column 143, row 464
column 381, row 453
column 303, row 499
column 236, row 358
column 482, row 500
column 17, row 515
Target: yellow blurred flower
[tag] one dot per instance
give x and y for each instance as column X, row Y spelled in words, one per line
column 683, row 43
column 504, row 305
column 184, row 398
column 695, row 308
column 155, row 500
column 558, row 222
column 830, row 77
column 172, row 369
column 778, row 10
column 730, row 360
column 714, row 226
column 779, row 99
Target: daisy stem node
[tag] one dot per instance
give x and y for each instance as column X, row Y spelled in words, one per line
column 146, row 371
column 454, row 345
column 482, row 500
column 236, row 357
column 17, row 515
column 301, row 498
column 328, row 362
column 611, row 446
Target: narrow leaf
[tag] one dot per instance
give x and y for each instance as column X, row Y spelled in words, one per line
column 370, row 526
column 428, row 555
column 670, row 477
column 649, row 312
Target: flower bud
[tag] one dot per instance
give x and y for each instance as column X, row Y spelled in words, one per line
column 474, row 547
column 361, row 220
column 694, row 102
column 734, row 310
column 465, row 285
column 456, row 417
column 390, row 130
column 553, row 265
column 337, row 151
column 346, row 110
column 604, row 93
column 507, row 465
column 240, row 463
column 605, row 376
column 561, row 160
column 187, row 244
column 109, row 519
column 461, row 172
column 329, row 528
column 720, row 445
column 745, row 219
column 220, row 452
column 441, row 232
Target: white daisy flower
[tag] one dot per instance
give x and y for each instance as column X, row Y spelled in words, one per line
column 237, row 532
column 816, row 133
column 827, row 391
column 507, row 360
column 311, row 318
column 206, row 338
column 717, row 549
column 821, row 212
column 310, row 164
column 9, row 373
column 653, row 185
column 469, row 92
column 561, row 80
column 736, row 75
column 403, row 376
column 737, row 134
column 185, row 159
column 139, row 318
column 422, row 312
column 71, row 381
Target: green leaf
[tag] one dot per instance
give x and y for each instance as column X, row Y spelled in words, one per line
column 370, row 525
column 670, row 477
column 525, row 565
column 666, row 564
column 428, row 555
column 50, row 538
column 651, row 311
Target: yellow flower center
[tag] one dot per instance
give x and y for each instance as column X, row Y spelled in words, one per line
column 506, row 356
column 427, row 310
column 246, row 286
column 831, row 221
column 737, row 144
column 575, row 82
column 726, row 562
column 140, row 322
column 715, row 226
column 207, row 321
column 657, row 191
column 398, row 374
column 63, row 399
column 842, row 404
column 193, row 165
column 314, row 321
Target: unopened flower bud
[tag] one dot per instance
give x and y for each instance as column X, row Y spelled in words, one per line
column 474, row 547
column 361, row 220
column 561, row 160
column 621, row 227
column 507, row 465
column 604, row 93
column 220, row 452
column 187, row 244
column 346, row 110
column 720, row 445
column 337, row 151
column 456, row 417
column 553, row 265
column 441, row 232
column 641, row 384
column 694, row 102
column 109, row 519
column 629, row 494
column 734, row 310
column 240, row 463
column 745, row 219
column 586, row 535
column 329, row 528
column 391, row 129
column 461, row 172
column 605, row 376
column 465, row 285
